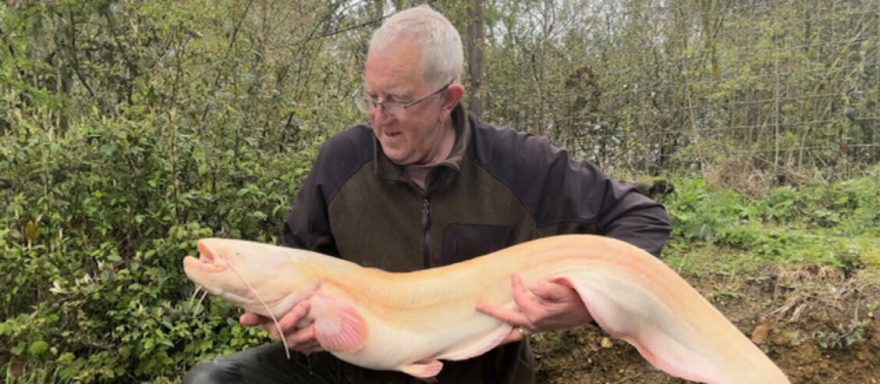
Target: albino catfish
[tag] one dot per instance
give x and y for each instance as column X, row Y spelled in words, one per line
column 410, row 321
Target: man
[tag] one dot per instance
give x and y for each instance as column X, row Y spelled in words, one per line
column 426, row 185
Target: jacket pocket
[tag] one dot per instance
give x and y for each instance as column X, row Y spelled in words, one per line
column 463, row 241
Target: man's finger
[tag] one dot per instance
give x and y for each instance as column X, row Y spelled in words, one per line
column 250, row 319
column 303, row 339
column 516, row 334
column 293, row 317
column 514, row 318
column 310, row 348
column 288, row 323
column 549, row 291
column 302, row 336
column 525, row 301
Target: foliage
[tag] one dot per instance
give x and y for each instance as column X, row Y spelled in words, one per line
column 834, row 224
column 97, row 223
column 130, row 129
column 791, row 87
column 116, row 154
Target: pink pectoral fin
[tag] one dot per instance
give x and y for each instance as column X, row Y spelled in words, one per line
column 338, row 326
column 423, row 370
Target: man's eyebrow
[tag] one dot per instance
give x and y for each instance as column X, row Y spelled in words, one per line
column 394, row 92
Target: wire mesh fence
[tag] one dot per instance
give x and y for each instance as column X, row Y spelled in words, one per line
column 657, row 86
column 777, row 86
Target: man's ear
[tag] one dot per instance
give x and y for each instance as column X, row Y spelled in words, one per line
column 454, row 94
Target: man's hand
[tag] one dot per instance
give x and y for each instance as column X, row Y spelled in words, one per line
column 300, row 338
column 543, row 306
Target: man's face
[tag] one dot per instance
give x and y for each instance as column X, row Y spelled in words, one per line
column 410, row 136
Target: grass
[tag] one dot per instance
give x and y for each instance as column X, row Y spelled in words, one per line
column 718, row 230
column 748, row 248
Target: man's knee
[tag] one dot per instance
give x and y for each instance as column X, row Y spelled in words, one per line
column 213, row 372
column 263, row 364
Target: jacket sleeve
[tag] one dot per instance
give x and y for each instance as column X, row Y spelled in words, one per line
column 308, row 224
column 589, row 200
column 628, row 215
column 569, row 196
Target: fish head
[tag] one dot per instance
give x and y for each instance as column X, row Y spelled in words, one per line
column 260, row 278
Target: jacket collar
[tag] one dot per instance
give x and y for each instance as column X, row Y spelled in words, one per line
column 442, row 172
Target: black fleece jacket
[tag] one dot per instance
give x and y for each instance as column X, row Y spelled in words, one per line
column 499, row 187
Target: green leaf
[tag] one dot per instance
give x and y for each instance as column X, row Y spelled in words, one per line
column 66, row 373
column 38, row 347
column 31, row 231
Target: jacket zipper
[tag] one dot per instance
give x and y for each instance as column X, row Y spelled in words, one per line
column 426, row 227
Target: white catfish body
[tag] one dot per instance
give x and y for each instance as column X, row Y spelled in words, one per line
column 410, row 321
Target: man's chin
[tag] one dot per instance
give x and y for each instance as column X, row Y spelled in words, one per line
column 396, row 156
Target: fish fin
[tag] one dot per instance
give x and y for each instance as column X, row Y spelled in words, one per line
column 480, row 346
column 338, row 326
column 629, row 312
column 423, row 370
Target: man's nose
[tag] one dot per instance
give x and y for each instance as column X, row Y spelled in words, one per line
column 379, row 114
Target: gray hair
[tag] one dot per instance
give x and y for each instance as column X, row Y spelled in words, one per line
column 442, row 54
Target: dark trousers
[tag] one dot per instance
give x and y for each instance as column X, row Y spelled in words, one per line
column 264, row 364
column 509, row 364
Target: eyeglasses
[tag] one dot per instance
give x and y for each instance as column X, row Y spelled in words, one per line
column 369, row 104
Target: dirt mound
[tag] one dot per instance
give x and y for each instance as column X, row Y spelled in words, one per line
column 819, row 324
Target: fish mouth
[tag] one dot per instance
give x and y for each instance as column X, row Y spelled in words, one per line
column 206, row 256
column 208, row 261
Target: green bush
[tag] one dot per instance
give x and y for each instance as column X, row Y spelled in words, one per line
column 130, row 129
column 95, row 225
column 823, row 223
column 699, row 211
column 126, row 133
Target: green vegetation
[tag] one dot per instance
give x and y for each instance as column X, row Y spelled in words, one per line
column 130, row 129
column 836, row 224
column 94, row 230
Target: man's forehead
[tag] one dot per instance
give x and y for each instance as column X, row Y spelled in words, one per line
column 396, row 69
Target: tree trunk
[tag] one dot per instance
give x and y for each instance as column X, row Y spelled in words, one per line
column 475, row 56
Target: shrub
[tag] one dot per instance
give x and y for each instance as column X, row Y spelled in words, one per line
column 95, row 225
column 811, row 223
